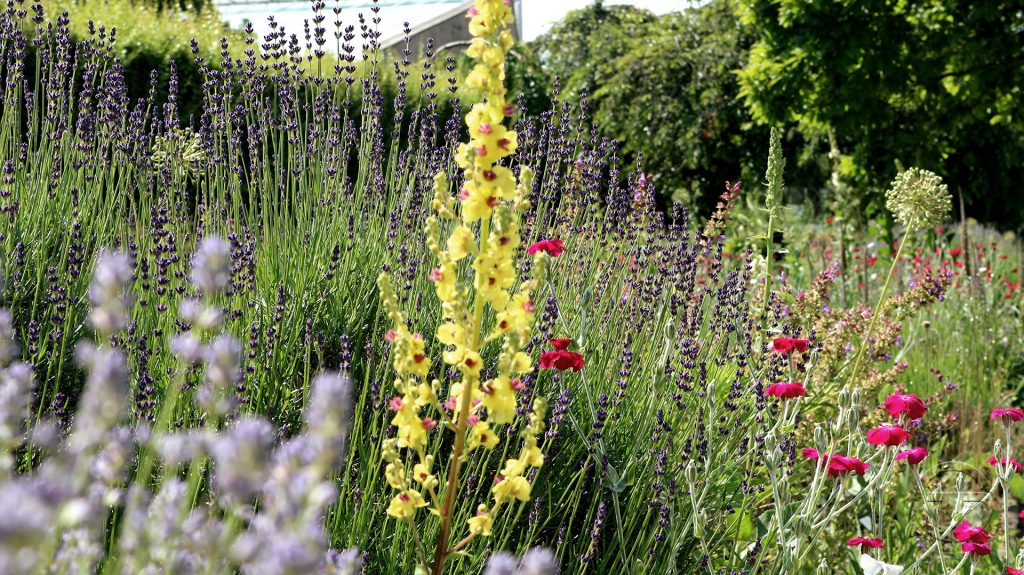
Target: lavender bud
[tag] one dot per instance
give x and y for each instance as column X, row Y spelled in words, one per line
column 27, row 519
column 538, row 561
column 104, row 397
column 328, row 416
column 15, row 395
column 223, row 357
column 503, row 563
column 211, row 265
column 107, row 293
column 187, row 348
column 241, row 456
column 180, row 448
column 8, row 347
column 343, row 563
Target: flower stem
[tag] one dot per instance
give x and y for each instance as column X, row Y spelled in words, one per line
column 465, row 401
column 878, row 306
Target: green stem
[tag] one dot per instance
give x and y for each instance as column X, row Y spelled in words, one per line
column 878, row 306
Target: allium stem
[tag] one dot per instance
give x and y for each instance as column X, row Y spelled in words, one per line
column 465, row 402
column 881, row 302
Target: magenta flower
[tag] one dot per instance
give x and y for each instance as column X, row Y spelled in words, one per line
column 1007, row 414
column 965, row 532
column 786, row 390
column 977, row 549
column 1007, row 461
column 913, row 456
column 837, row 464
column 888, row 435
column 551, row 247
column 905, row 403
column 866, row 543
column 788, row 344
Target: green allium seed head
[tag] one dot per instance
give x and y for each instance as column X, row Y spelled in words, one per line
column 919, row 199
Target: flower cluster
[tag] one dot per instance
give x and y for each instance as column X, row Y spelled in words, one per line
column 918, row 199
column 482, row 223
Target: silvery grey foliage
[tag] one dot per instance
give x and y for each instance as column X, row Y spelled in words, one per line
column 536, row 561
column 55, row 516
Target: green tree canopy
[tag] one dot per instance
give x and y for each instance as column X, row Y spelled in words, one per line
column 932, row 83
column 665, row 87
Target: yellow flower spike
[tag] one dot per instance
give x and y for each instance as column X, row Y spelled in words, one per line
column 482, row 522
column 490, row 193
column 404, row 505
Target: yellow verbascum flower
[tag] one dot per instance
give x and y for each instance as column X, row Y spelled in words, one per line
column 411, row 431
column 482, row 435
column 461, row 243
column 511, row 488
column 482, row 522
column 500, row 400
column 395, row 475
column 422, row 475
column 404, row 505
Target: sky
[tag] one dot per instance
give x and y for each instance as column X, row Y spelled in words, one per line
column 538, row 15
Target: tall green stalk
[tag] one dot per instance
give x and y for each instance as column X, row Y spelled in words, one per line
column 773, row 204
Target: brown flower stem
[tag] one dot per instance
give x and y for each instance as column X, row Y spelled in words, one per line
column 464, row 541
column 469, row 384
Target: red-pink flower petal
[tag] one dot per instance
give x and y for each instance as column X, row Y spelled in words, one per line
column 1007, row 461
column 888, row 435
column 553, row 248
column 965, row 532
column 913, row 456
column 1007, row 414
column 786, row 390
column 788, row 344
column 907, row 404
column 865, row 542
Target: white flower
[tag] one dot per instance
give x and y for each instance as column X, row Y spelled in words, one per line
column 872, row 566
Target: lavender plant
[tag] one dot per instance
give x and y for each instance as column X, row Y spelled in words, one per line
column 76, row 495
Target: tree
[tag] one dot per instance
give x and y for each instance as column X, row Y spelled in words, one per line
column 665, row 88
column 932, row 83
